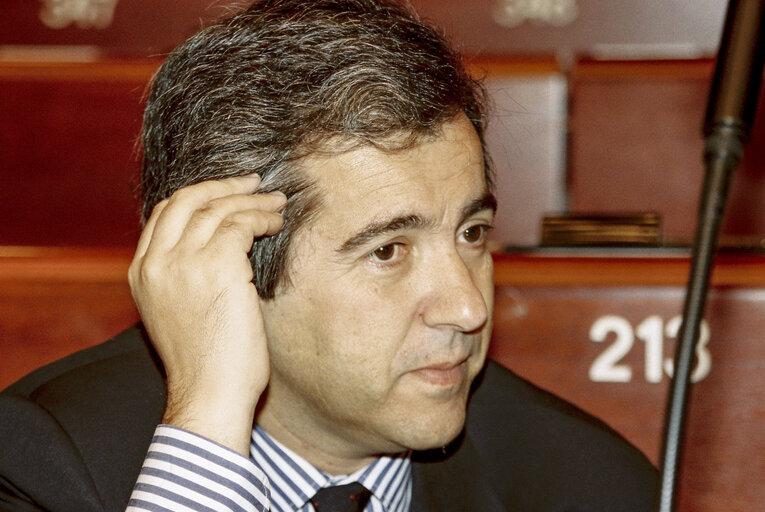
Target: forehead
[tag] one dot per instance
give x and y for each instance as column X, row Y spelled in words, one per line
column 434, row 177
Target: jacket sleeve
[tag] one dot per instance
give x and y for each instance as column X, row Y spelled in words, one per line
column 40, row 468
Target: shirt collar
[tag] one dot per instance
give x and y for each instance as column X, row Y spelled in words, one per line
column 294, row 480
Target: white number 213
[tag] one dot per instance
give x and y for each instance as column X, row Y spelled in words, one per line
column 607, row 366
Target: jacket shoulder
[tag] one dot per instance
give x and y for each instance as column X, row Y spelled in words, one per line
column 130, row 340
column 546, row 454
column 91, row 414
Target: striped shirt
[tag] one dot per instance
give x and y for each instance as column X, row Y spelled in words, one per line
column 294, row 481
column 186, row 472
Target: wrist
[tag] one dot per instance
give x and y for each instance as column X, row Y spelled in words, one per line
column 221, row 415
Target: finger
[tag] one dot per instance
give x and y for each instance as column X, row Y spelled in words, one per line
column 205, row 221
column 184, row 202
column 144, row 241
column 238, row 231
column 148, row 230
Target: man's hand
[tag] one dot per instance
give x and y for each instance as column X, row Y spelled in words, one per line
column 191, row 280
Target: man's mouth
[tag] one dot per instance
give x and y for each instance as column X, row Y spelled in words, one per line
column 445, row 374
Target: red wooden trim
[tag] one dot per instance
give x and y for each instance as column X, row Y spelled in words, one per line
column 568, row 270
column 514, row 269
column 620, row 70
column 47, row 264
column 139, row 71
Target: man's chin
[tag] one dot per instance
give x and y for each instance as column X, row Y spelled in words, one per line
column 437, row 434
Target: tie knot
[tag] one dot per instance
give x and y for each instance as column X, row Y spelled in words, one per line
column 351, row 497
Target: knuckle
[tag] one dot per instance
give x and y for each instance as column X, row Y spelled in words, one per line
column 133, row 271
column 204, row 213
column 131, row 277
column 182, row 195
column 230, row 223
column 150, row 270
column 159, row 207
column 239, row 218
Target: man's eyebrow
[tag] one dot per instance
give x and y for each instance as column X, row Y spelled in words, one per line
column 403, row 222
column 375, row 229
column 486, row 202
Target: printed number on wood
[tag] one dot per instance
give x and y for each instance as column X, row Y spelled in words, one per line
column 607, row 367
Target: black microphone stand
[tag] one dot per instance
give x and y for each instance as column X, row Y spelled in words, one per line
column 729, row 116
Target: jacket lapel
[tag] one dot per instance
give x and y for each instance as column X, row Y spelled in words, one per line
column 453, row 481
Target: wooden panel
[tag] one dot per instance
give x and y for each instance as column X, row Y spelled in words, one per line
column 626, row 27
column 137, row 27
column 636, row 145
column 526, row 138
column 67, row 142
column 544, row 334
column 583, row 267
column 547, row 308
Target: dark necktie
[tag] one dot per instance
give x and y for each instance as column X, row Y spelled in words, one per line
column 341, row 498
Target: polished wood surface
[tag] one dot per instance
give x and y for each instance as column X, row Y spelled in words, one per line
column 564, row 268
column 556, row 316
column 133, row 71
column 636, row 146
column 68, row 147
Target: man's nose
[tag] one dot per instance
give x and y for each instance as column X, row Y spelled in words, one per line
column 454, row 295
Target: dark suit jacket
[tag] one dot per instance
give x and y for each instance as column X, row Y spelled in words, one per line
column 73, row 436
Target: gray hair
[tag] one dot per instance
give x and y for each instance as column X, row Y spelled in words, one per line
column 284, row 79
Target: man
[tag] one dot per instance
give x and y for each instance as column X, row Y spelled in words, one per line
column 340, row 348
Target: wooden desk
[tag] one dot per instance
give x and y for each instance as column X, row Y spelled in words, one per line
column 594, row 329
column 599, row 330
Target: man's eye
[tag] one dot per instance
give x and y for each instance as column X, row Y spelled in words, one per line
column 385, row 252
column 475, row 234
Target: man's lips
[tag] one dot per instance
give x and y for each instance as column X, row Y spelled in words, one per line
column 443, row 374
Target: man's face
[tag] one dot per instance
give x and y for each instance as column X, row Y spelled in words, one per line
column 387, row 318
